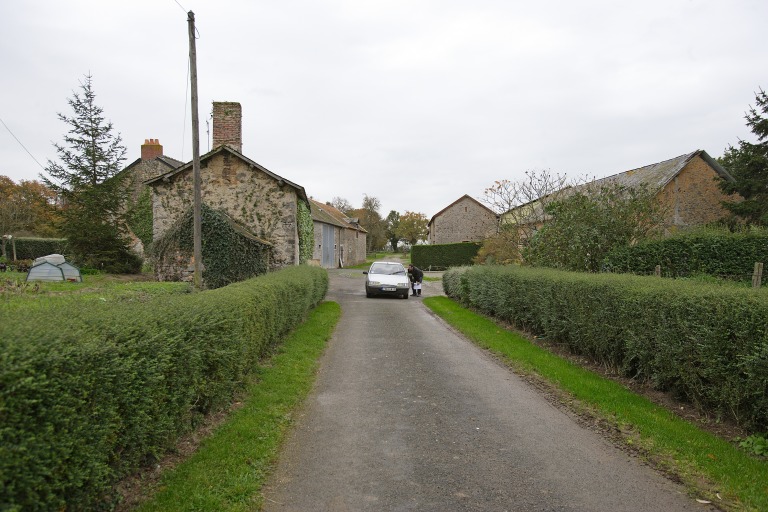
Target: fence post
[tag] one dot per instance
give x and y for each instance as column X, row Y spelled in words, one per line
column 657, row 272
column 757, row 275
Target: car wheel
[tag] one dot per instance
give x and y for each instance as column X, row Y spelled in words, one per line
column 368, row 294
column 405, row 295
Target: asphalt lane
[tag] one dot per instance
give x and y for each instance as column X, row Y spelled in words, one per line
column 408, row 415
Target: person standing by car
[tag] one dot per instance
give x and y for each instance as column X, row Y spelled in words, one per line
column 417, row 276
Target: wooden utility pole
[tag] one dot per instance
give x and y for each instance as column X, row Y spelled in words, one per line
column 196, row 231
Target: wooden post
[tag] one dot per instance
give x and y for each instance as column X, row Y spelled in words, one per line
column 196, row 213
column 757, row 275
column 657, row 272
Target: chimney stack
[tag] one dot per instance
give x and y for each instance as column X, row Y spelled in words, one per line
column 228, row 125
column 151, row 149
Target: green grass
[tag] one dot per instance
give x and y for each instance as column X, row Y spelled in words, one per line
column 229, row 469
column 706, row 463
column 17, row 293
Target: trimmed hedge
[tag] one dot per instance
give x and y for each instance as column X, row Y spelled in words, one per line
column 31, row 248
column 728, row 255
column 707, row 343
column 92, row 390
column 442, row 256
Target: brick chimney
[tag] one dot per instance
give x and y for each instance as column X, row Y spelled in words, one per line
column 228, row 125
column 151, row 149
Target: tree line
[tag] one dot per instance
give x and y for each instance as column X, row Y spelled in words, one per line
column 408, row 228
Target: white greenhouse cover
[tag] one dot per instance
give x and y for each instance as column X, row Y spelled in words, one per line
column 56, row 259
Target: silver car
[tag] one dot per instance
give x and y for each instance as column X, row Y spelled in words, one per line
column 387, row 278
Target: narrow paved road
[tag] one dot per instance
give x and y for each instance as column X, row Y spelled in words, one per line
column 407, row 415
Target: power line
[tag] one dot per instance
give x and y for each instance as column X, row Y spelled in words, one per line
column 20, row 144
column 182, row 7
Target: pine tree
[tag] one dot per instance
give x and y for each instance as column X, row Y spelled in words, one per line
column 88, row 181
column 748, row 164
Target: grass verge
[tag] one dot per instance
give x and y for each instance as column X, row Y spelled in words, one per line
column 712, row 468
column 229, row 469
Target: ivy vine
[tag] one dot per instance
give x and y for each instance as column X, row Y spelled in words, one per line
column 306, row 231
column 140, row 218
column 230, row 253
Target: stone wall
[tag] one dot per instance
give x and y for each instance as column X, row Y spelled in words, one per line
column 349, row 245
column 693, row 198
column 464, row 221
column 353, row 242
column 254, row 199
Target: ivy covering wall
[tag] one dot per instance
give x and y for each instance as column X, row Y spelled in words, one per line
column 230, row 253
column 306, row 231
column 140, row 218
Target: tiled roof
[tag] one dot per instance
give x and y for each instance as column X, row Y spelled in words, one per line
column 330, row 215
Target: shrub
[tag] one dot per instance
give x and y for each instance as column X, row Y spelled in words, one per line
column 706, row 343
column 31, row 248
column 442, row 256
column 717, row 253
column 90, row 389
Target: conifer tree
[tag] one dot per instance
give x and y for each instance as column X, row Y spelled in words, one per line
column 88, row 181
column 748, row 164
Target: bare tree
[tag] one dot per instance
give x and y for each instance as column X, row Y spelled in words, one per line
column 342, row 205
column 521, row 206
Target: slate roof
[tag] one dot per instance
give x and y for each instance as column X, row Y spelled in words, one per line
column 166, row 162
column 224, row 148
column 655, row 177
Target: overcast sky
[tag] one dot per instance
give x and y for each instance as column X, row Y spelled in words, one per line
column 414, row 102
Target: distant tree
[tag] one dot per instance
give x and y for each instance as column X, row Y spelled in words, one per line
column 87, row 180
column 585, row 225
column 413, row 227
column 342, row 205
column 27, row 208
column 371, row 220
column 392, row 222
column 748, row 164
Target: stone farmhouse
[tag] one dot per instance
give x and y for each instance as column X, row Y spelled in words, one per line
column 150, row 164
column 263, row 203
column 339, row 240
column 685, row 187
column 464, row 220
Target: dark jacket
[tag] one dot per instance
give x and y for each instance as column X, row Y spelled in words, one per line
column 417, row 275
